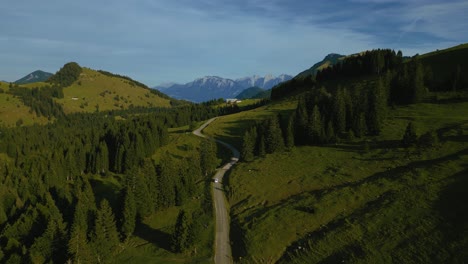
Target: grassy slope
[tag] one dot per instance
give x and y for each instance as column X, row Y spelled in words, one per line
column 109, row 93
column 12, row 109
column 349, row 199
column 231, row 128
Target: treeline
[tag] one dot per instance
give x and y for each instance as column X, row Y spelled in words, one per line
column 374, row 62
column 407, row 82
column 325, row 116
column 40, row 100
column 320, row 118
column 50, row 210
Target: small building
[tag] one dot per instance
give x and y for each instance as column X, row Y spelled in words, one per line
column 232, row 101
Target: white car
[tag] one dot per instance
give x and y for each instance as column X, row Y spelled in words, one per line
column 216, row 180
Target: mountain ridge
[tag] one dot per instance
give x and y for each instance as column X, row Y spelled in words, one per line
column 214, row 87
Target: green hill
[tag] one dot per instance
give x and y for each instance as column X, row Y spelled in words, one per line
column 74, row 89
column 367, row 199
column 95, row 90
column 249, row 93
column 329, row 60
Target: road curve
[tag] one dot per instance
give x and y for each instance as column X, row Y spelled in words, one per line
column 222, row 245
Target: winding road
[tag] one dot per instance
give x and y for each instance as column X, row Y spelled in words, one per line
column 222, row 245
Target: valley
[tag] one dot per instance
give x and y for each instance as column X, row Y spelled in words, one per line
column 359, row 158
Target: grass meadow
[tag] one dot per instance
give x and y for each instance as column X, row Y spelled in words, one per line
column 361, row 201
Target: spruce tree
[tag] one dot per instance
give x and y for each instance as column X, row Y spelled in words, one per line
column 208, row 158
column 106, row 237
column 181, row 236
column 409, row 138
column 301, row 121
column 78, row 245
column 129, row 213
column 289, row 133
column 315, row 126
column 339, row 112
column 274, row 136
column 248, row 144
column 377, row 109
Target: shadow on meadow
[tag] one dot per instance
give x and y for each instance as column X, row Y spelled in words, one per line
column 154, row 236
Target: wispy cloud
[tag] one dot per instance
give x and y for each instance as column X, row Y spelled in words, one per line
column 159, row 41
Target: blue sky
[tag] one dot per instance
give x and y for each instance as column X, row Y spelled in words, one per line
column 157, row 41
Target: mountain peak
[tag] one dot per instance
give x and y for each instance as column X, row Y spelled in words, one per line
column 35, row 76
column 214, row 87
column 329, row 60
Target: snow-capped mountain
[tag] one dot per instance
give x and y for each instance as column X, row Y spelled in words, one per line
column 213, row 87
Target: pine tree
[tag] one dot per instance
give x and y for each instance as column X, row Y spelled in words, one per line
column 129, row 213
column 106, row 237
column 377, row 109
column 330, row 133
column 339, row 112
column 419, row 90
column 409, row 138
column 248, row 144
column 315, row 127
column 181, row 236
column 208, row 159
column 261, row 146
column 78, row 245
column 167, row 176
column 301, row 121
column 274, row 136
column 289, row 133
column 360, row 125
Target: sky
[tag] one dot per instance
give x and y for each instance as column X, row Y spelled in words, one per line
column 160, row 41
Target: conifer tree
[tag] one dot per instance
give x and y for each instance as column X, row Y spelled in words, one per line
column 289, row 133
column 248, row 144
column 261, row 146
column 274, row 136
column 129, row 213
column 208, row 159
column 377, row 109
column 181, row 236
column 339, row 112
column 315, row 126
column 409, row 138
column 78, row 245
column 301, row 121
column 106, row 237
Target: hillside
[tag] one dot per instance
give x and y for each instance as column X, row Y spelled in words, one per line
column 94, row 90
column 13, row 112
column 362, row 198
column 249, row 93
column 329, row 60
column 448, row 67
column 36, row 76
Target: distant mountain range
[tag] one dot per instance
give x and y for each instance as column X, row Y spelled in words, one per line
column 213, row 87
column 36, row 76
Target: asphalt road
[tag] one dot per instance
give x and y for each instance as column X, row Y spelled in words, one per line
column 222, row 245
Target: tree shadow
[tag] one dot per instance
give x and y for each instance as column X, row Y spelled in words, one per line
column 453, row 209
column 153, row 236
